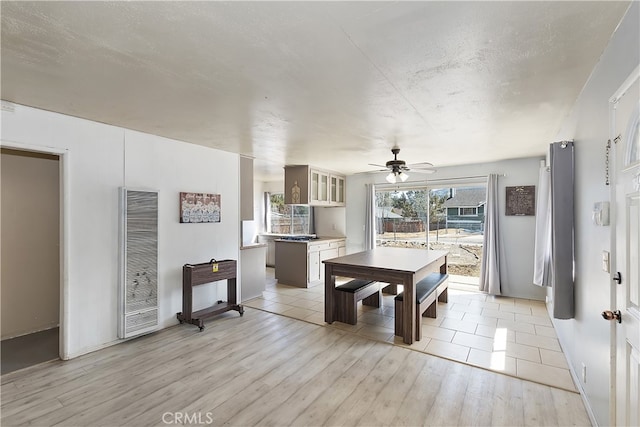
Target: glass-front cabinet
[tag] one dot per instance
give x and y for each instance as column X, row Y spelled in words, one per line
column 337, row 190
column 319, row 188
column 307, row 185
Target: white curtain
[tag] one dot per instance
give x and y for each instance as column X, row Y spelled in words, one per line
column 370, row 217
column 267, row 211
column 542, row 255
column 490, row 267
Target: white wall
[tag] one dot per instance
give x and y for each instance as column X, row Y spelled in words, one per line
column 99, row 159
column 331, row 222
column 517, row 231
column 30, row 239
column 586, row 338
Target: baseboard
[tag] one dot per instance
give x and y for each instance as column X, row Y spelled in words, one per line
column 583, row 395
column 91, row 349
column 575, row 377
column 23, row 333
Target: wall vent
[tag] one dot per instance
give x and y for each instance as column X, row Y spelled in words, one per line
column 138, row 303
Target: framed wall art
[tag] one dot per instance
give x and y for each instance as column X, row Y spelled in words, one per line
column 521, row 200
column 199, row 208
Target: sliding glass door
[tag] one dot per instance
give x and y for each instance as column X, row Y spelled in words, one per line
column 402, row 218
column 457, row 225
column 445, row 217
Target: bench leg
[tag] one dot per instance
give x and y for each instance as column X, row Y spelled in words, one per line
column 418, row 324
column 390, row 289
column 373, row 300
column 398, row 318
column 443, row 297
column 346, row 308
column 431, row 310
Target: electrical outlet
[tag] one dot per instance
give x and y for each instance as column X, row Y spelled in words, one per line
column 584, row 373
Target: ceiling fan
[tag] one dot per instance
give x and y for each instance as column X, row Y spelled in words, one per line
column 398, row 168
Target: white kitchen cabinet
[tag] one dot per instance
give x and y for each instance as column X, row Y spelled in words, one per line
column 326, row 254
column 306, row 185
column 326, row 250
column 314, row 266
column 342, row 250
column 319, row 188
column 337, row 190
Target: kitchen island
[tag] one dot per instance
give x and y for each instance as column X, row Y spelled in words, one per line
column 299, row 261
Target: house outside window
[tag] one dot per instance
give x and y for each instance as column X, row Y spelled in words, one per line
column 468, row 211
column 465, row 209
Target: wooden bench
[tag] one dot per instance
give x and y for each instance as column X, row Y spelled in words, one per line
column 346, row 299
column 429, row 291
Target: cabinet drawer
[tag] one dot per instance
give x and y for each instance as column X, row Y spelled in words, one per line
column 318, row 247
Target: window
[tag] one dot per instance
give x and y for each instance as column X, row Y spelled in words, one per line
column 468, row 211
column 433, row 218
column 402, row 217
column 288, row 219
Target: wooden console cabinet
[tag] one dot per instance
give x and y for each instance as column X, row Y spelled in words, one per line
column 207, row 272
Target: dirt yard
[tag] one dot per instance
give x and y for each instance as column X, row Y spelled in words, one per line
column 463, row 259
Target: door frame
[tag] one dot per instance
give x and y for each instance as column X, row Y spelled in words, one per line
column 613, row 100
column 63, row 182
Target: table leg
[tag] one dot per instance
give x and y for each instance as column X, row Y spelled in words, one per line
column 329, row 287
column 409, row 310
column 443, row 267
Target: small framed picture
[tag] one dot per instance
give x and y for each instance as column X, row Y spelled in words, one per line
column 199, row 208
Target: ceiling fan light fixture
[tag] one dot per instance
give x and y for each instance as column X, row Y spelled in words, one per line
column 397, row 168
column 391, row 178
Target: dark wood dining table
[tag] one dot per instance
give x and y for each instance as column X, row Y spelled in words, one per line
column 401, row 266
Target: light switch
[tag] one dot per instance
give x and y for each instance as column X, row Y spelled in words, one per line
column 605, row 261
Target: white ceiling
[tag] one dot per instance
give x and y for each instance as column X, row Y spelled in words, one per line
column 331, row 84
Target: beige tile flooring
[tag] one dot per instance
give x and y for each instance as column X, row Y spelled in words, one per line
column 509, row 335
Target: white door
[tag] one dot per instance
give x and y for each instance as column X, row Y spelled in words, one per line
column 625, row 273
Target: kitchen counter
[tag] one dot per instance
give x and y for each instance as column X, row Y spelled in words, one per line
column 299, row 262
column 253, row 246
column 316, row 240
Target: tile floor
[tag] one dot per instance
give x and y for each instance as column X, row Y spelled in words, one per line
column 509, row 335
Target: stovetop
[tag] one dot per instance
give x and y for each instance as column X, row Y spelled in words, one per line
column 299, row 238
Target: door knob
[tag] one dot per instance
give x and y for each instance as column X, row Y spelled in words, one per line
column 617, row 277
column 612, row 315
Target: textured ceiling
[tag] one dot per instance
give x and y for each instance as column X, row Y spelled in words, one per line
column 332, row 84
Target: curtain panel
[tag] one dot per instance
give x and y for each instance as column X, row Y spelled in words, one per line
column 542, row 252
column 490, row 267
column 370, row 217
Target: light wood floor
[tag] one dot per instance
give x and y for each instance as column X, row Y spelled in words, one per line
column 508, row 335
column 267, row 369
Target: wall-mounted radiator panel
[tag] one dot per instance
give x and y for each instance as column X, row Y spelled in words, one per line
column 138, row 311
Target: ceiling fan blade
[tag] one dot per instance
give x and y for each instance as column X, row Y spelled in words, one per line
column 420, row 165
column 373, row 171
column 421, row 171
column 378, row 166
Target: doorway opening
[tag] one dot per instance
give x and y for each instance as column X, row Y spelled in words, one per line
column 30, row 230
column 445, row 217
